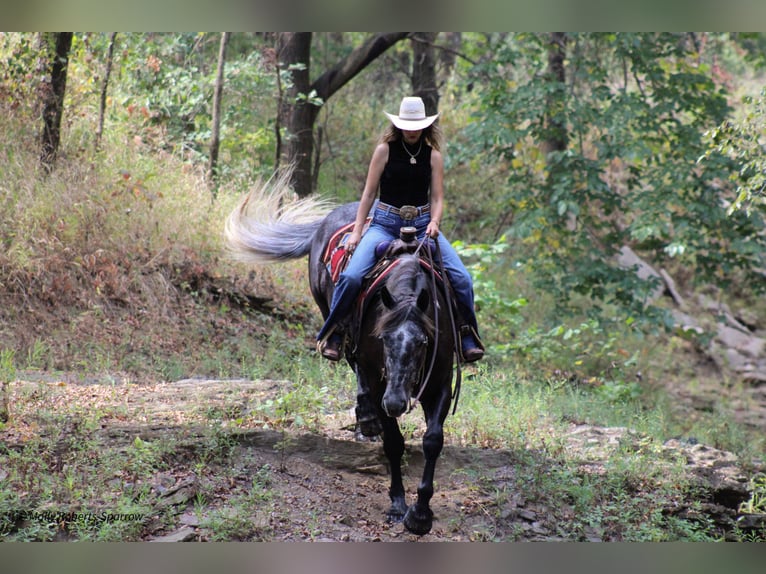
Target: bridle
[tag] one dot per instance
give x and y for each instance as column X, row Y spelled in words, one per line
column 448, row 296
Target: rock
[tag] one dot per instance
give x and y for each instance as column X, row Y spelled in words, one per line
column 183, row 534
column 528, row 515
column 179, row 494
column 716, row 471
column 756, row 522
column 741, row 342
column 627, row 259
column 189, row 519
column 686, row 324
column 671, row 287
column 592, row 534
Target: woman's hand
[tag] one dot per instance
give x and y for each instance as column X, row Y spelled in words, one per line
column 353, row 241
column 433, row 229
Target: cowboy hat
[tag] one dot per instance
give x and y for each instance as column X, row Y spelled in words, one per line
column 412, row 115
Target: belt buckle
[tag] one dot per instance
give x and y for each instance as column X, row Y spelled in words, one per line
column 408, row 212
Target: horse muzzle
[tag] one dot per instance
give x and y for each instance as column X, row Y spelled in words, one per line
column 395, row 404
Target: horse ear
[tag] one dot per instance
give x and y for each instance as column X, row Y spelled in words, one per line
column 424, row 299
column 387, row 298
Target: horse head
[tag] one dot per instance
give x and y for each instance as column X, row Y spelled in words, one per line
column 406, row 330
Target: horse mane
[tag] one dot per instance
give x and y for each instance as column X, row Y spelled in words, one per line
column 405, row 283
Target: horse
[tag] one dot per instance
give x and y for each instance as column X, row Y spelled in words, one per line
column 405, row 343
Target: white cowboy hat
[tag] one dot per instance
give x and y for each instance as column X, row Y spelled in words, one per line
column 412, row 115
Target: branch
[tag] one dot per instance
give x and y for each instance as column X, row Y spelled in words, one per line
column 342, row 73
column 447, row 49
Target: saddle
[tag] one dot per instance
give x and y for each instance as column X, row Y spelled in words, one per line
column 336, row 257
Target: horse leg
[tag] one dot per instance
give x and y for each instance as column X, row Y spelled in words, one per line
column 367, row 421
column 393, row 447
column 419, row 516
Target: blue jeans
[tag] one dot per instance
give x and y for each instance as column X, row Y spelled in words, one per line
column 385, row 227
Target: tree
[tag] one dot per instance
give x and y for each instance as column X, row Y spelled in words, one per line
column 215, row 138
column 424, row 70
column 57, row 47
column 741, row 142
column 300, row 105
column 555, row 130
column 104, row 87
column 634, row 112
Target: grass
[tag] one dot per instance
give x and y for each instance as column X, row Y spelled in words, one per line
column 628, row 501
column 244, row 515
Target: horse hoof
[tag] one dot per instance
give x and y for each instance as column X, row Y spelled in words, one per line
column 395, row 513
column 370, row 428
column 359, row 436
column 418, row 522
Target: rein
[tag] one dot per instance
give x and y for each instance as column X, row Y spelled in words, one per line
column 448, row 297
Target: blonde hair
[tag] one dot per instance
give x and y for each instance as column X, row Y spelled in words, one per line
column 432, row 134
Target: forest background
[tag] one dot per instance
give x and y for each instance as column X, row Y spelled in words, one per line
column 124, row 153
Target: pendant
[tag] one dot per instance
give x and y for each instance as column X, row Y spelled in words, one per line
column 413, row 161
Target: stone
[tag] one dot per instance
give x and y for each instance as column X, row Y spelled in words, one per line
column 183, row 534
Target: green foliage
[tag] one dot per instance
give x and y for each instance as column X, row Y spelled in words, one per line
column 7, row 365
column 7, row 375
column 162, row 86
column 635, row 108
column 740, row 142
column 483, row 262
column 103, row 235
column 242, row 517
column 592, row 349
column 757, row 502
column 18, row 57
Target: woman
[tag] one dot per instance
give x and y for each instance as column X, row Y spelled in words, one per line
column 408, row 168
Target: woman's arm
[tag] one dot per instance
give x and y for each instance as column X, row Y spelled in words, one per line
column 370, row 192
column 437, row 193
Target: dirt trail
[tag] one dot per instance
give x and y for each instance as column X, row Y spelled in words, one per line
column 325, row 485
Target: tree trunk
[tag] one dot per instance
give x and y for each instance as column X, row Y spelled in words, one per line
column 297, row 113
column 448, row 56
column 104, row 88
column 555, row 128
column 215, row 138
column 58, row 46
column 424, row 70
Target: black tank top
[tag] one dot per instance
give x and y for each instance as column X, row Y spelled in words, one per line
column 402, row 182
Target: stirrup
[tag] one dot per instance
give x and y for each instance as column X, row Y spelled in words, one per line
column 328, row 351
column 474, row 353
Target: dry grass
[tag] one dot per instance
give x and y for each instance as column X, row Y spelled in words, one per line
column 116, row 255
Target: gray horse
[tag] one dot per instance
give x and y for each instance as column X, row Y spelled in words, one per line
column 404, row 347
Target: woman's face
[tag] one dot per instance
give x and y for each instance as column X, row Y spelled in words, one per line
column 411, row 137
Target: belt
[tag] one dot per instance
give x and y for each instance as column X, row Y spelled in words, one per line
column 405, row 211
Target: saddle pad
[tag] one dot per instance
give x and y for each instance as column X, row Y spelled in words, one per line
column 335, row 255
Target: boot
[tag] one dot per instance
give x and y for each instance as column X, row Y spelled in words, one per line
column 331, row 347
column 470, row 345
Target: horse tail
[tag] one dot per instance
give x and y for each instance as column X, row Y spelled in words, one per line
column 268, row 226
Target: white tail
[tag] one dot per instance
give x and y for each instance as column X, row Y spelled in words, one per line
column 270, row 225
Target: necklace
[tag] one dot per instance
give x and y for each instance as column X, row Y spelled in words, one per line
column 412, row 156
